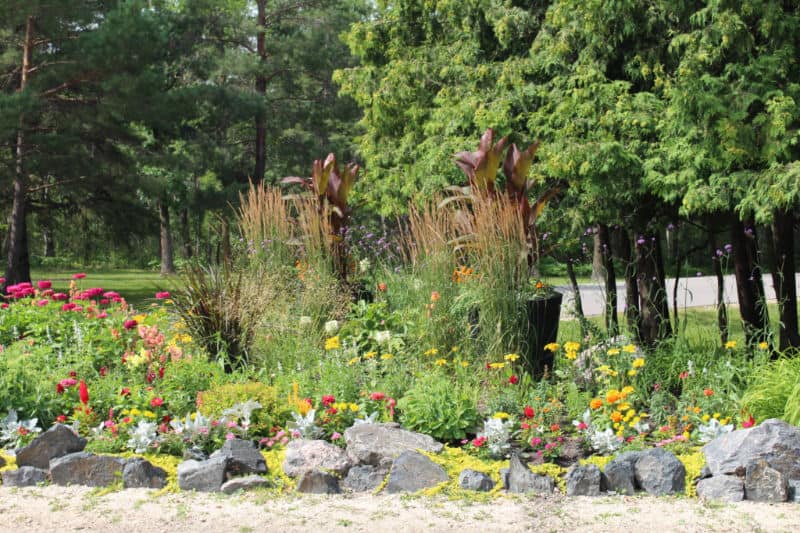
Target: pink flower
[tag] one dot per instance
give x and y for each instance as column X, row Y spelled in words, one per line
column 535, row 441
column 230, row 425
column 4, row 306
column 44, row 284
column 130, row 324
column 2, row 280
column 581, row 426
column 68, row 306
column 79, row 275
column 163, row 295
column 102, row 314
column 230, row 436
column 68, row 382
column 336, row 435
column 110, row 294
column 103, row 371
column 157, row 402
column 750, row 422
column 42, row 303
column 59, row 296
column 479, row 441
column 61, row 418
column 328, row 399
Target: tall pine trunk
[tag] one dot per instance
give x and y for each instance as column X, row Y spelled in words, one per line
column 186, row 238
column 261, row 89
column 18, row 266
column 632, row 313
column 749, row 285
column 722, row 309
column 784, row 278
column 167, row 261
column 610, row 277
column 654, row 306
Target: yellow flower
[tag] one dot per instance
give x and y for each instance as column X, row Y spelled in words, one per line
column 432, row 351
column 730, row 345
column 149, row 414
column 624, row 406
column 501, row 415
column 763, row 345
column 386, row 356
column 717, row 415
column 627, row 390
column 616, row 425
column 370, row 355
column 464, row 364
column 613, row 351
column 638, row 363
column 571, row 355
column 353, row 407
column 552, row 347
column 454, row 349
column 596, row 403
column 140, row 318
column 686, row 435
column 135, row 412
column 440, row 362
column 353, row 361
column 706, row 418
column 630, row 414
column 496, row 366
column 572, row 346
column 631, row 372
column 511, row 357
column 612, row 396
column 629, row 348
column 332, row 343
column 724, row 421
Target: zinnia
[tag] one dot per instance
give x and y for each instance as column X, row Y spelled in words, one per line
column 130, row 324
column 163, row 295
column 156, row 402
column 44, row 284
column 529, row 412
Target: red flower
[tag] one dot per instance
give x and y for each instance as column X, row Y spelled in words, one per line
column 555, row 427
column 377, row 396
column 150, row 376
column 513, row 379
column 59, row 388
column 328, row 399
column 130, row 324
column 61, row 418
column 382, row 286
column 125, row 391
column 44, row 284
column 750, row 422
column 529, row 412
column 156, row 402
column 83, row 393
column 79, row 275
column 708, row 392
column 161, row 372
column 684, row 375
column 73, row 374
column 479, row 441
column 103, row 371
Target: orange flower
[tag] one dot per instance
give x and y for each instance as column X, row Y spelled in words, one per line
column 708, row 392
column 435, row 296
column 613, row 396
column 616, row 416
column 555, row 427
column 596, row 403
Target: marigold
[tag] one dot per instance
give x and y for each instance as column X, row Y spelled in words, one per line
column 631, row 372
column 552, row 347
column 370, row 355
column 612, row 396
column 708, row 392
column 332, row 343
column 596, row 403
column 616, row 417
column 501, row 415
column 627, row 390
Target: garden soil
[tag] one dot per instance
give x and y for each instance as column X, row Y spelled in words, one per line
column 139, row 510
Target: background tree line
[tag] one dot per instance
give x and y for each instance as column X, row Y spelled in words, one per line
column 673, row 125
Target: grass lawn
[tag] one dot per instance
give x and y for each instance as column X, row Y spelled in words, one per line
column 138, row 287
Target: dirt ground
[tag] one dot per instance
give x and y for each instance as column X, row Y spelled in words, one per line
column 61, row 509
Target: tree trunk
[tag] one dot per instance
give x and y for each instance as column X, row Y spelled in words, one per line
column 261, row 89
column 784, row 278
column 18, row 266
column 633, row 316
column 607, row 258
column 722, row 309
column 48, row 244
column 597, row 256
column 654, row 306
column 749, row 287
column 167, row 263
column 186, row 239
column 576, row 290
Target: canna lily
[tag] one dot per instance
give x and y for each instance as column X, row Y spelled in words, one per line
column 481, row 166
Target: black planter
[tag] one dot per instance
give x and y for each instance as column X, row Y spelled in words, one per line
column 543, row 317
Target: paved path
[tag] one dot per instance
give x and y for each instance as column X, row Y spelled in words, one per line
column 692, row 292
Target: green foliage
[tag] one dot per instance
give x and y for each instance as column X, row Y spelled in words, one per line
column 439, row 408
column 772, row 391
column 274, row 410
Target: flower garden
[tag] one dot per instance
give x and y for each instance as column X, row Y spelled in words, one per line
column 317, row 328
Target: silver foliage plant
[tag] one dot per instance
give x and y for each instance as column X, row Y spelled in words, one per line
column 498, row 434
column 12, row 429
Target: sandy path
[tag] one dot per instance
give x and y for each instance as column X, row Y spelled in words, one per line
column 81, row 509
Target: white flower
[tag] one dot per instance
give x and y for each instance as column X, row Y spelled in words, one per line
column 382, row 337
column 363, row 265
column 367, row 419
column 331, row 327
column 712, row 430
column 305, row 321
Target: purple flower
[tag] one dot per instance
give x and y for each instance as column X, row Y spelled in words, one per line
column 728, row 248
column 641, row 240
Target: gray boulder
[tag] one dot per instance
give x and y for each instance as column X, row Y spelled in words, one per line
column 762, row 483
column 412, row 471
column 318, row 482
column 88, row 469
column 140, row 473
column 723, row 488
column 194, row 453
column 773, row 440
column 619, row 475
column 474, row 480
column 659, row 472
column 245, row 484
column 373, row 443
column 303, row 455
column 584, row 480
column 521, row 480
column 203, row 476
column 57, row 441
column 362, row 478
column 243, row 457
column 24, row 476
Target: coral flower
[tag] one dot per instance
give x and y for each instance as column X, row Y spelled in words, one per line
column 83, row 393
column 382, row 286
column 377, row 396
column 435, row 296
column 708, row 392
column 156, row 402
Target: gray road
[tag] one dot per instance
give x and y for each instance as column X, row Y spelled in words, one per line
column 692, row 292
